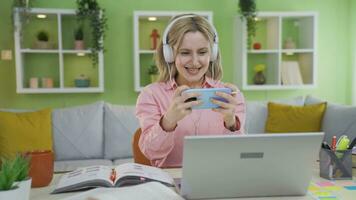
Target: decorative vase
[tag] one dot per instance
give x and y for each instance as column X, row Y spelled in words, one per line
column 79, row 45
column 259, row 78
column 41, row 168
column 24, row 188
column 257, row 45
column 289, row 44
column 10, row 194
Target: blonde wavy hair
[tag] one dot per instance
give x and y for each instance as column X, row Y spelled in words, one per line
column 175, row 38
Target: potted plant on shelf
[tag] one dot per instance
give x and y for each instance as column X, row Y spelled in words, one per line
column 42, row 40
column 90, row 9
column 79, row 38
column 247, row 10
column 259, row 77
column 153, row 72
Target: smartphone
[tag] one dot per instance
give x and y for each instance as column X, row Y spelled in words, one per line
column 206, row 94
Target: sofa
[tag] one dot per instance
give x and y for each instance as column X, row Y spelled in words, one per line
column 100, row 133
column 94, row 134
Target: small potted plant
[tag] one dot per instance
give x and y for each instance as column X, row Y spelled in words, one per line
column 153, row 72
column 259, row 78
column 79, row 38
column 8, row 190
column 42, row 40
column 21, row 164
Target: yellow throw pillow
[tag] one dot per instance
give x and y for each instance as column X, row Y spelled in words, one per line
column 22, row 132
column 286, row 118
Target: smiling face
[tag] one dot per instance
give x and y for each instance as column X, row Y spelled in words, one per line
column 192, row 59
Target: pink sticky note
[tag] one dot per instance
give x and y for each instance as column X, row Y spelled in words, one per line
column 346, row 183
column 325, row 183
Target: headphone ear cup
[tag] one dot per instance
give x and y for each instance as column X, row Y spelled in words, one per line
column 168, row 53
column 214, row 52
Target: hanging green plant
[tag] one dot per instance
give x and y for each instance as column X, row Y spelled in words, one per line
column 90, row 9
column 247, row 9
column 24, row 7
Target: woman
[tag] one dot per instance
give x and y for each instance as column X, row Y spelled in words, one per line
column 187, row 57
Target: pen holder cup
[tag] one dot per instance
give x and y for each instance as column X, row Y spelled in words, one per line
column 335, row 165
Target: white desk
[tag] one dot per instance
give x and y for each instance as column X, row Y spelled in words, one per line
column 44, row 193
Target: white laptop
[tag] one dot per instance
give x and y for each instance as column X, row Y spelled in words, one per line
column 248, row 165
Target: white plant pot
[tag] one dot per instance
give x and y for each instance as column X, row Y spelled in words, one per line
column 10, row 194
column 24, row 188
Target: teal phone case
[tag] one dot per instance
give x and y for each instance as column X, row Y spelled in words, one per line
column 206, row 94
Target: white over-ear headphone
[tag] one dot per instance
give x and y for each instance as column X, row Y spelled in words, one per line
column 168, row 51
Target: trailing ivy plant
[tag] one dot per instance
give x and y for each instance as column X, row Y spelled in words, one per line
column 24, row 12
column 247, row 9
column 90, row 9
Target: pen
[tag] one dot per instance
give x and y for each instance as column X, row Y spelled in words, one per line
column 333, row 143
column 113, row 175
column 353, row 143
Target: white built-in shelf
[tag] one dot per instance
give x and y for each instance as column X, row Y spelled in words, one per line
column 143, row 54
column 59, row 62
column 274, row 32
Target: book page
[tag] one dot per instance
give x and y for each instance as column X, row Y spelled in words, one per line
column 83, row 176
column 142, row 172
column 146, row 191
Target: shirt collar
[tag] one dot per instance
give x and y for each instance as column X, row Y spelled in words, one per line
column 208, row 83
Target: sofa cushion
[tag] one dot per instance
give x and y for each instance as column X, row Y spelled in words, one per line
column 120, row 123
column 284, row 118
column 70, row 165
column 78, row 132
column 256, row 113
column 25, row 131
column 338, row 120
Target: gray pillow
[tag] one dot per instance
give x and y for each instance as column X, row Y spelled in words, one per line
column 338, row 119
column 256, row 113
column 78, row 132
column 120, row 124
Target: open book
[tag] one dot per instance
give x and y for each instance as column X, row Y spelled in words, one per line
column 106, row 176
column 146, row 191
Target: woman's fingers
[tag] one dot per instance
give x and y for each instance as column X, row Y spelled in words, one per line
column 179, row 90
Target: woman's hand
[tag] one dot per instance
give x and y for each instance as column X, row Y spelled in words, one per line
column 227, row 109
column 178, row 108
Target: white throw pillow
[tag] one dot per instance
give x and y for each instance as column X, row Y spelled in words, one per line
column 338, row 119
column 120, row 124
column 78, row 132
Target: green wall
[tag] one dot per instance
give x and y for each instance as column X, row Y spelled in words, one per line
column 353, row 47
column 334, row 49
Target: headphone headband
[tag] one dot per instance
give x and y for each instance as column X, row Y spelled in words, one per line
column 168, row 50
column 168, row 28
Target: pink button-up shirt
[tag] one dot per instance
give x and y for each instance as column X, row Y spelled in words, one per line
column 165, row 149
